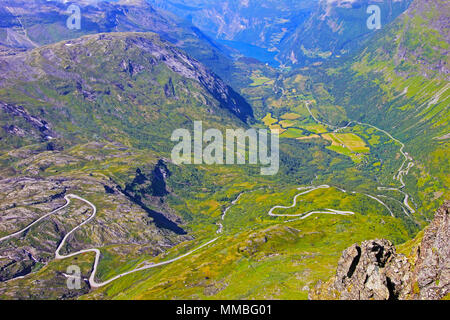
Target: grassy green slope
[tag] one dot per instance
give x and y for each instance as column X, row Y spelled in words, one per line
column 104, row 106
column 115, row 87
column 257, row 256
column 260, row 257
column 400, row 83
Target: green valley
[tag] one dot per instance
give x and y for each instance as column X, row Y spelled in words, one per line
column 88, row 179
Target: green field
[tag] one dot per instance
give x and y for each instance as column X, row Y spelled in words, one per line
column 347, row 140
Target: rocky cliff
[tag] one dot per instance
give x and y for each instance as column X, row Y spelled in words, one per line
column 374, row 270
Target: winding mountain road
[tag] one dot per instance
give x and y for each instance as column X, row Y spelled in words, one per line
column 224, row 213
column 309, row 189
column 97, row 252
column 35, row 222
column 304, row 215
column 401, row 172
column 305, row 190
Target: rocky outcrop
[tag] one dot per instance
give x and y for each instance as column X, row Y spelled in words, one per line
column 432, row 270
column 374, row 270
column 39, row 124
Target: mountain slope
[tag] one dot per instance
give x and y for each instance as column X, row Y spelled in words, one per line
column 111, row 85
column 110, row 102
column 93, row 117
column 27, row 24
column 336, row 28
column 400, row 82
column 100, row 101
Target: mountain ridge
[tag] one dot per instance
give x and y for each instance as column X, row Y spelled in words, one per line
column 28, row 24
column 69, row 64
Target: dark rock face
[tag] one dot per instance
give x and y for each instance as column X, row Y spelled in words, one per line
column 151, row 184
column 370, row 271
column 374, row 270
column 40, row 125
column 169, row 89
column 146, row 188
column 159, row 176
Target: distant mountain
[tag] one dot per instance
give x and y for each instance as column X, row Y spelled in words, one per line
column 286, row 32
column 258, row 23
column 336, row 28
column 26, row 24
column 131, row 86
column 254, row 28
column 400, row 80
